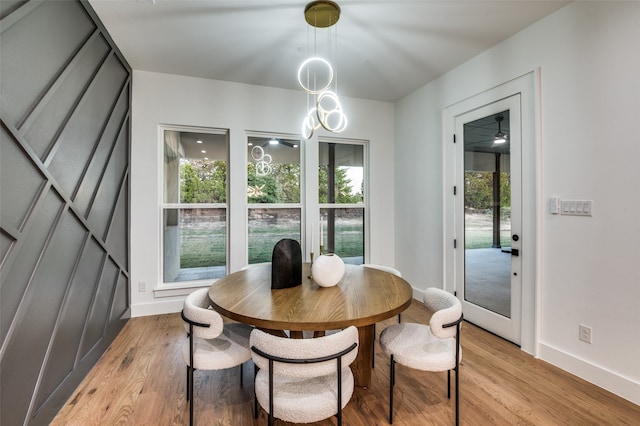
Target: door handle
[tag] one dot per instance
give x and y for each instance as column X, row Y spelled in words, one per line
column 515, row 252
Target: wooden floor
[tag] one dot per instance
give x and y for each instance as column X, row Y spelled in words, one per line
column 141, row 380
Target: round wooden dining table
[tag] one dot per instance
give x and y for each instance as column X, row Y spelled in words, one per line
column 362, row 298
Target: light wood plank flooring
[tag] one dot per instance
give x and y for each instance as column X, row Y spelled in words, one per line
column 140, row 380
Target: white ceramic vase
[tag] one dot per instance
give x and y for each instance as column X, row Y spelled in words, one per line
column 327, row 270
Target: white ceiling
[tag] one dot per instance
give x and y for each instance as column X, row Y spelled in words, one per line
column 386, row 48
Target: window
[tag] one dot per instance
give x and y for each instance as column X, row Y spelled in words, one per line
column 273, row 194
column 341, row 197
column 194, row 209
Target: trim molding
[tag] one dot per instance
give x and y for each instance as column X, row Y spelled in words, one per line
column 624, row 387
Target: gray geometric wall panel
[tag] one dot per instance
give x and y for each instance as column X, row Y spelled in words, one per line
column 64, row 202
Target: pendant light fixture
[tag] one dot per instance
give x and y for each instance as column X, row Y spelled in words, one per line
column 316, row 75
column 500, row 137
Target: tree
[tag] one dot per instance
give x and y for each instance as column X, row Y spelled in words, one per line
column 203, row 181
column 281, row 185
column 478, row 190
column 342, row 185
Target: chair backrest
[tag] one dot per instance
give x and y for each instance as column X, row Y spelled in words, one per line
column 196, row 308
column 253, row 265
column 388, row 269
column 447, row 309
column 304, row 349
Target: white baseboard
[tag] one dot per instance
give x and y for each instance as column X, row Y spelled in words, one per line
column 599, row 376
column 157, row 307
column 418, row 294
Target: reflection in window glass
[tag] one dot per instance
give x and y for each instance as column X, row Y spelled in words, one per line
column 273, row 194
column 195, row 167
column 195, row 172
column 341, row 173
column 273, row 171
column 343, row 233
column 195, row 244
column 267, row 226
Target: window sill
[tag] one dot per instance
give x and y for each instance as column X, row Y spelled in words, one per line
column 180, row 289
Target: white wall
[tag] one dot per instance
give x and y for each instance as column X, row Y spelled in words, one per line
column 590, row 108
column 176, row 100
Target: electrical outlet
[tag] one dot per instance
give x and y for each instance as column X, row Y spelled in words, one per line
column 142, row 286
column 584, row 333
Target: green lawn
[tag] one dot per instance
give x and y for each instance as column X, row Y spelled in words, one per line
column 480, row 238
column 207, row 247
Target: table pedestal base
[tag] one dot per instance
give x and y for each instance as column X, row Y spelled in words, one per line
column 361, row 367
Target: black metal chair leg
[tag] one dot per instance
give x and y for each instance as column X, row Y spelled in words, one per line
column 255, row 398
column 192, row 397
column 457, row 397
column 392, row 382
column 449, row 384
column 241, row 373
column 188, row 397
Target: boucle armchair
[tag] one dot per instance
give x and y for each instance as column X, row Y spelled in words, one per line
column 212, row 345
column 435, row 347
column 304, row 380
column 390, row 270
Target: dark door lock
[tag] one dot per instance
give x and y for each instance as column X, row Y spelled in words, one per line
column 515, row 237
column 515, row 252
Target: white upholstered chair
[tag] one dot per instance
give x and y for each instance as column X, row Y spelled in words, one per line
column 433, row 347
column 212, row 345
column 385, row 268
column 304, row 380
column 390, row 270
column 253, row 265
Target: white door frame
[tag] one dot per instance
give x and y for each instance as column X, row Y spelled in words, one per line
column 528, row 88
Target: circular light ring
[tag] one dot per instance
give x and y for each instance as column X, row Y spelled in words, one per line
column 326, row 115
column 337, row 127
column 309, row 124
column 263, row 161
column 257, row 153
column 263, row 168
column 306, row 64
column 307, row 131
column 327, row 97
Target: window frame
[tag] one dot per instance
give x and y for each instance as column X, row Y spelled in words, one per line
column 301, row 204
column 365, row 195
column 177, row 285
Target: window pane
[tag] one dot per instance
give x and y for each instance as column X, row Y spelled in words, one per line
column 343, row 233
column 273, row 171
column 267, row 227
column 341, row 173
column 195, row 167
column 195, row 244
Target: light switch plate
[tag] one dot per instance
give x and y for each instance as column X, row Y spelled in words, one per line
column 576, row 207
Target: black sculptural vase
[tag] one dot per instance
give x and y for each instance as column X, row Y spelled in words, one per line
column 286, row 264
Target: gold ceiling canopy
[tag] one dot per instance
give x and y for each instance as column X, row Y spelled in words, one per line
column 322, row 14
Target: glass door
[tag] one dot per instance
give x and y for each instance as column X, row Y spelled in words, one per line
column 489, row 217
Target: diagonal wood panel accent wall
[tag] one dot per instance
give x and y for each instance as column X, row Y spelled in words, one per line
column 64, row 202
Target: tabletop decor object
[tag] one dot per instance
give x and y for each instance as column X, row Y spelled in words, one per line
column 286, row 264
column 327, row 270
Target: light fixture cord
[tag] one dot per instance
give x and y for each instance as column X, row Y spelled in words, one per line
column 308, row 72
column 315, row 52
column 336, row 57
